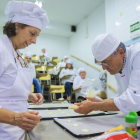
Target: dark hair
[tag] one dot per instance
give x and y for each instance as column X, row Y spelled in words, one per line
column 66, row 67
column 10, row 30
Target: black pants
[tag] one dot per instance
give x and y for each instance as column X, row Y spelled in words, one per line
column 68, row 86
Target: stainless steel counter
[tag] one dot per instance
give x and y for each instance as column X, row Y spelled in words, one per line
column 48, row 130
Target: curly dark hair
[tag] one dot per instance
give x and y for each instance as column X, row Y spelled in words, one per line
column 10, row 30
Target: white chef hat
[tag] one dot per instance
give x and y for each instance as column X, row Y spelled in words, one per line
column 104, row 45
column 28, row 54
column 69, row 61
column 65, row 57
column 27, row 13
column 81, row 69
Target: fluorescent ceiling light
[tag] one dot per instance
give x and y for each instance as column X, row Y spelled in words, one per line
column 39, row 3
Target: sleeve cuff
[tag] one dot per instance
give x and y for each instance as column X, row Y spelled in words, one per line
column 120, row 106
column 117, row 95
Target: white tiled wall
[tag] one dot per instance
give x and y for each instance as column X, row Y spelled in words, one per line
column 129, row 17
column 120, row 24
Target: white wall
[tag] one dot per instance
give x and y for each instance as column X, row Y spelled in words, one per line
column 110, row 12
column 55, row 45
column 81, row 46
column 120, row 14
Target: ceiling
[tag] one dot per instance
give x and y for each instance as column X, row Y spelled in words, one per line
column 65, row 12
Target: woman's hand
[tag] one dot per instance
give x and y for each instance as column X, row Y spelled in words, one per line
column 36, row 98
column 27, row 120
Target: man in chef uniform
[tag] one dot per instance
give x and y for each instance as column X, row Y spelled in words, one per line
column 25, row 22
column 122, row 62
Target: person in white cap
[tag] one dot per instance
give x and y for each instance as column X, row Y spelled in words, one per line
column 123, row 63
column 62, row 64
column 78, row 81
column 25, row 22
column 68, row 70
column 46, row 56
column 29, row 64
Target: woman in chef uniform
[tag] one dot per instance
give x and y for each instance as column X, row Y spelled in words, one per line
column 62, row 64
column 78, row 81
column 68, row 70
column 25, row 21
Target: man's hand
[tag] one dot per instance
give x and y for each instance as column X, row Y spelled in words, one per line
column 36, row 98
column 84, row 107
column 93, row 99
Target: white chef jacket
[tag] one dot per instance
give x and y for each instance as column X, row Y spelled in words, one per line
column 46, row 57
column 7, row 64
column 61, row 64
column 128, row 83
column 45, row 54
column 68, row 72
column 78, row 81
column 15, row 87
column 32, row 66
